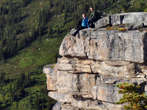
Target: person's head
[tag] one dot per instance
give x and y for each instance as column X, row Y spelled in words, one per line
column 84, row 15
column 91, row 9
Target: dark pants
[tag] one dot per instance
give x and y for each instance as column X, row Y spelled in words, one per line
column 91, row 23
column 78, row 29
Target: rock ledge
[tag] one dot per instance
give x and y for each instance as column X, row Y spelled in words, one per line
column 95, row 60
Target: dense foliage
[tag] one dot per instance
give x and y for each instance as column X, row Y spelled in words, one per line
column 31, row 31
column 26, row 92
column 134, row 97
column 22, row 83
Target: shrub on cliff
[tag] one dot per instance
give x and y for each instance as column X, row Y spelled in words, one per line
column 133, row 97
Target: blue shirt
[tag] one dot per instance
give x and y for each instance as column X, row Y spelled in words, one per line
column 85, row 22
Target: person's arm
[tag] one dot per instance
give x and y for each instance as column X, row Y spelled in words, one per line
column 87, row 23
column 91, row 15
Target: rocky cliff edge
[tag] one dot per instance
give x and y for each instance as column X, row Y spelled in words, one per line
column 95, row 60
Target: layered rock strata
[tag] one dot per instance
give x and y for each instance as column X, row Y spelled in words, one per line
column 131, row 20
column 93, row 63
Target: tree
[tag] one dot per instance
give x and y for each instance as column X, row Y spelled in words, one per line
column 133, row 95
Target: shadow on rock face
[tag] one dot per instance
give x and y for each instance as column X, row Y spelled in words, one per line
column 145, row 48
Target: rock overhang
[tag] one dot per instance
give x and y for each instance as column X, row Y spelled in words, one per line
column 107, row 45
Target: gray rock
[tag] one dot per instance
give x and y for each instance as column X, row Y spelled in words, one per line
column 106, row 45
column 128, row 19
column 135, row 26
column 47, row 69
column 72, row 31
column 108, row 93
column 95, row 61
column 146, row 89
column 103, row 22
column 57, row 106
column 117, row 68
column 51, row 75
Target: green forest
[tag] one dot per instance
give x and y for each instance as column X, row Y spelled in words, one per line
column 31, row 32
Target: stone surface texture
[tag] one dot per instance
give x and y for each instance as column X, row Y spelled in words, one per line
column 94, row 61
column 133, row 19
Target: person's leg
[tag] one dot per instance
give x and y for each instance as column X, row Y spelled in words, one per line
column 91, row 24
column 78, row 28
column 77, row 31
column 83, row 28
column 79, row 24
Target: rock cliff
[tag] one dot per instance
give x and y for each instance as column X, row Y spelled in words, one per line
column 95, row 60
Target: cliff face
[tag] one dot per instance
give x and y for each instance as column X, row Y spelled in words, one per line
column 95, row 60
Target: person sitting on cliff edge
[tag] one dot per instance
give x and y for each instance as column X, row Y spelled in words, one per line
column 94, row 16
column 82, row 24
